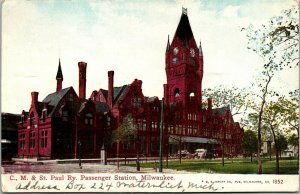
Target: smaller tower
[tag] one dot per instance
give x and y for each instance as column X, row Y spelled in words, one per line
column 82, row 79
column 59, row 78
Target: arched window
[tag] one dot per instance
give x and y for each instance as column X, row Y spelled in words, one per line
column 176, row 92
column 192, row 94
column 88, row 119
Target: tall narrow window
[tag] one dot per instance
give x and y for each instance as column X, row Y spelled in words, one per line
column 32, row 119
column 65, row 115
column 44, row 115
column 88, row 119
column 44, row 139
column 108, row 121
column 32, row 140
column 22, row 141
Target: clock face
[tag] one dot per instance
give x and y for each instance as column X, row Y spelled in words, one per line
column 192, row 52
column 175, row 51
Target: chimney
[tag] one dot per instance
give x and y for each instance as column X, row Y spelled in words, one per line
column 110, row 97
column 82, row 79
column 34, row 98
column 209, row 104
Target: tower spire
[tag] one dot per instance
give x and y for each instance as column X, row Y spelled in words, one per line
column 184, row 10
column 59, row 77
column 200, row 50
column 168, row 45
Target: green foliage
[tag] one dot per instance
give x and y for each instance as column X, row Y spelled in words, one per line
column 126, row 131
column 237, row 99
column 277, row 42
column 238, row 166
column 293, row 140
column 282, row 142
column 249, row 143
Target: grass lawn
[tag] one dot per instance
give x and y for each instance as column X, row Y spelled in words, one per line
column 235, row 166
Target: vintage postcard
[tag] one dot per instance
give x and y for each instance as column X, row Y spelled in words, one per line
column 149, row 96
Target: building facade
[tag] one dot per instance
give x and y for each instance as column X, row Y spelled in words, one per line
column 67, row 125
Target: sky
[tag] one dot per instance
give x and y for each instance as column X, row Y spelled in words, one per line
column 129, row 37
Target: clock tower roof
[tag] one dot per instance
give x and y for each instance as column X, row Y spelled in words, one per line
column 184, row 30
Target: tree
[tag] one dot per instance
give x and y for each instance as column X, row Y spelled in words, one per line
column 277, row 43
column 249, row 142
column 235, row 98
column 124, row 133
column 293, row 140
column 282, row 143
column 273, row 119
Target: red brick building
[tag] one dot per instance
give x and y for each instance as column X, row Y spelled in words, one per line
column 64, row 124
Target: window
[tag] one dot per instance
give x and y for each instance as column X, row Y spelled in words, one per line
column 183, row 56
column 205, row 130
column 192, row 94
column 71, row 97
column 22, row 120
column 22, row 141
column 176, row 92
column 204, row 118
column 144, row 125
column 192, row 61
column 190, row 131
column 32, row 119
column 65, row 115
column 32, row 140
column 44, row 139
column 44, row 115
column 175, row 61
column 154, row 126
column 108, row 121
column 136, row 102
column 88, row 119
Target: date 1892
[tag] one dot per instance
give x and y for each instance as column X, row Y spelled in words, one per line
column 277, row 181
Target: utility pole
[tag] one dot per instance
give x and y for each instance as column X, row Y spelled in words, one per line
column 161, row 136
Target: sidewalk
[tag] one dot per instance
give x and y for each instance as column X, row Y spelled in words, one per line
column 72, row 166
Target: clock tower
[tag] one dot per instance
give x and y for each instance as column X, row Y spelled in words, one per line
column 184, row 68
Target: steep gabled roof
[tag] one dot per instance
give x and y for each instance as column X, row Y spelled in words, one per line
column 53, row 100
column 118, row 93
column 220, row 111
column 101, row 107
column 184, row 30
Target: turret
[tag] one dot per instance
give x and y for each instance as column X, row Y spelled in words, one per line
column 59, row 78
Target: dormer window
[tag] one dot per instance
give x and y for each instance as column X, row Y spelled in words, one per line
column 71, row 97
column 44, row 115
column 88, row 119
column 32, row 119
